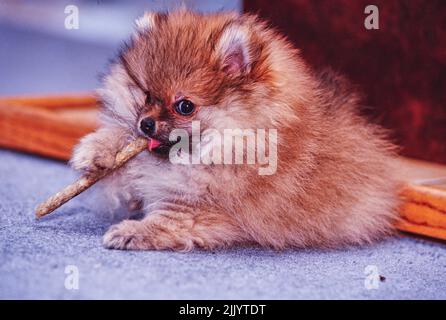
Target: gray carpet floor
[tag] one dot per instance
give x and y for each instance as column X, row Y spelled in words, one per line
column 34, row 256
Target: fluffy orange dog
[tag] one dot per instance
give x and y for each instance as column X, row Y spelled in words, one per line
column 334, row 181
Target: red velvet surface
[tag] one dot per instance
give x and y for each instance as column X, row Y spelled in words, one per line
column 400, row 68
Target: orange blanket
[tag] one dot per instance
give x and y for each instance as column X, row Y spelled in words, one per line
column 424, row 210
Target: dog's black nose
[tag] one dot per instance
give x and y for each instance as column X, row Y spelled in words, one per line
column 147, row 126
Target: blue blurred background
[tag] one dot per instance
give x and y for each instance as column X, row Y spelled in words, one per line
column 39, row 55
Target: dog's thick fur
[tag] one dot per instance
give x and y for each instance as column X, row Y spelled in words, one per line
column 334, row 183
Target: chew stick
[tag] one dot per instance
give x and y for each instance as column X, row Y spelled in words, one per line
column 86, row 181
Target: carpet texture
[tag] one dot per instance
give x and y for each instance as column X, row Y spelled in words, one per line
column 34, row 256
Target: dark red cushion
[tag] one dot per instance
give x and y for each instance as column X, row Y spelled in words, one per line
column 401, row 68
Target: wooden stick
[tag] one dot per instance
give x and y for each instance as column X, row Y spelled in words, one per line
column 86, row 181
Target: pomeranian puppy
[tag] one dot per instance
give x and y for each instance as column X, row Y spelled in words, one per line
column 333, row 183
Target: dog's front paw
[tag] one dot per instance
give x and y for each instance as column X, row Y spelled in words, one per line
column 127, row 235
column 91, row 156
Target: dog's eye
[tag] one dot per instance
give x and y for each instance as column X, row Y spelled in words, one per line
column 149, row 99
column 184, row 107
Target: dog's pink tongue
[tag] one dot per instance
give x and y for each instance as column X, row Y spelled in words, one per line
column 153, row 144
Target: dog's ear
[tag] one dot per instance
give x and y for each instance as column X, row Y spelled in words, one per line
column 233, row 50
column 146, row 23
